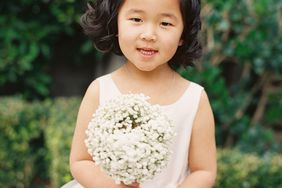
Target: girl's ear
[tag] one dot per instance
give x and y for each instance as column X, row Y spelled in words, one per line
column 180, row 42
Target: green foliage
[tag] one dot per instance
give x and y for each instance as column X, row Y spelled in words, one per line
column 241, row 71
column 260, row 137
column 273, row 114
column 31, row 31
column 236, row 169
column 247, row 30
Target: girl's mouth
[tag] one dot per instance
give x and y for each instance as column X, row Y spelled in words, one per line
column 147, row 52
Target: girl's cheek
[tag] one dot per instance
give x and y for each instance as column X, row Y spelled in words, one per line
column 130, row 32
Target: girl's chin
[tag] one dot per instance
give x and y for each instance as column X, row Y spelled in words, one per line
column 146, row 68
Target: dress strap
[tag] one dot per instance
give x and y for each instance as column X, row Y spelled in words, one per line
column 107, row 89
column 192, row 99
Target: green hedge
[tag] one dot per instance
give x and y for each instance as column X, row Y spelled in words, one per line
column 35, row 142
column 237, row 169
column 20, row 132
column 58, row 135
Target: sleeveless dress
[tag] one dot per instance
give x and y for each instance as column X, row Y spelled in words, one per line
column 182, row 113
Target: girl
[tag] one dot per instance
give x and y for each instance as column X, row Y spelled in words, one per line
column 154, row 36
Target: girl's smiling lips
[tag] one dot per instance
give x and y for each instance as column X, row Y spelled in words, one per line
column 147, row 52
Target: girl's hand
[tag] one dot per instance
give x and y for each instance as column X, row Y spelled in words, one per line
column 133, row 185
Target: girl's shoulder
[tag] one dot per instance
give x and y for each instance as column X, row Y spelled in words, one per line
column 93, row 87
column 195, row 91
column 186, row 83
column 198, row 93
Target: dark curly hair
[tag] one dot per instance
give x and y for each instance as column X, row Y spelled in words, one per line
column 99, row 23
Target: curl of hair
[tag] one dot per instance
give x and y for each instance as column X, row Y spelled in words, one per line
column 191, row 48
column 99, row 23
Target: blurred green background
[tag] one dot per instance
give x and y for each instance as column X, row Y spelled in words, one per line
column 46, row 64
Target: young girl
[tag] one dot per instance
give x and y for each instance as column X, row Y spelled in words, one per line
column 154, row 36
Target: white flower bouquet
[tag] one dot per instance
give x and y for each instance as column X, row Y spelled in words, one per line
column 129, row 138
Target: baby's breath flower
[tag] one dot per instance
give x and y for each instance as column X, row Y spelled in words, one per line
column 129, row 138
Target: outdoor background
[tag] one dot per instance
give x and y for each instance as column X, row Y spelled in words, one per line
column 46, row 64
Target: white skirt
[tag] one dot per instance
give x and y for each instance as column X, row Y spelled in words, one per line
column 72, row 184
column 75, row 184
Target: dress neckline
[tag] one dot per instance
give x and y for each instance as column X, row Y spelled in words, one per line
column 162, row 106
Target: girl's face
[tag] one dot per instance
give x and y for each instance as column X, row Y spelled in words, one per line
column 149, row 31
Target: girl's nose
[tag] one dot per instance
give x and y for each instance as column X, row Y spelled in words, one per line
column 149, row 34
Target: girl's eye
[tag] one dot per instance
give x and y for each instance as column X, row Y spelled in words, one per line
column 137, row 20
column 166, row 24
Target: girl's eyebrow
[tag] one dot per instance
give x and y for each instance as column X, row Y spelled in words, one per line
column 134, row 11
column 131, row 11
column 169, row 16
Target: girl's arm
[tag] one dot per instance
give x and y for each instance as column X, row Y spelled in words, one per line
column 202, row 152
column 82, row 166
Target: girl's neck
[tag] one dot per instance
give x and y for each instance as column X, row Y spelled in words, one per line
column 161, row 73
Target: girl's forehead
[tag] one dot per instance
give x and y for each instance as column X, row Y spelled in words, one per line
column 151, row 6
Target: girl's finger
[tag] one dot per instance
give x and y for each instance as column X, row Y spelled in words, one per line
column 135, row 185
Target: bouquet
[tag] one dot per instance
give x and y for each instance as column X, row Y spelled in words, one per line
column 129, row 138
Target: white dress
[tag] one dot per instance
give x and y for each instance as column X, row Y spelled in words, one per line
column 182, row 113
